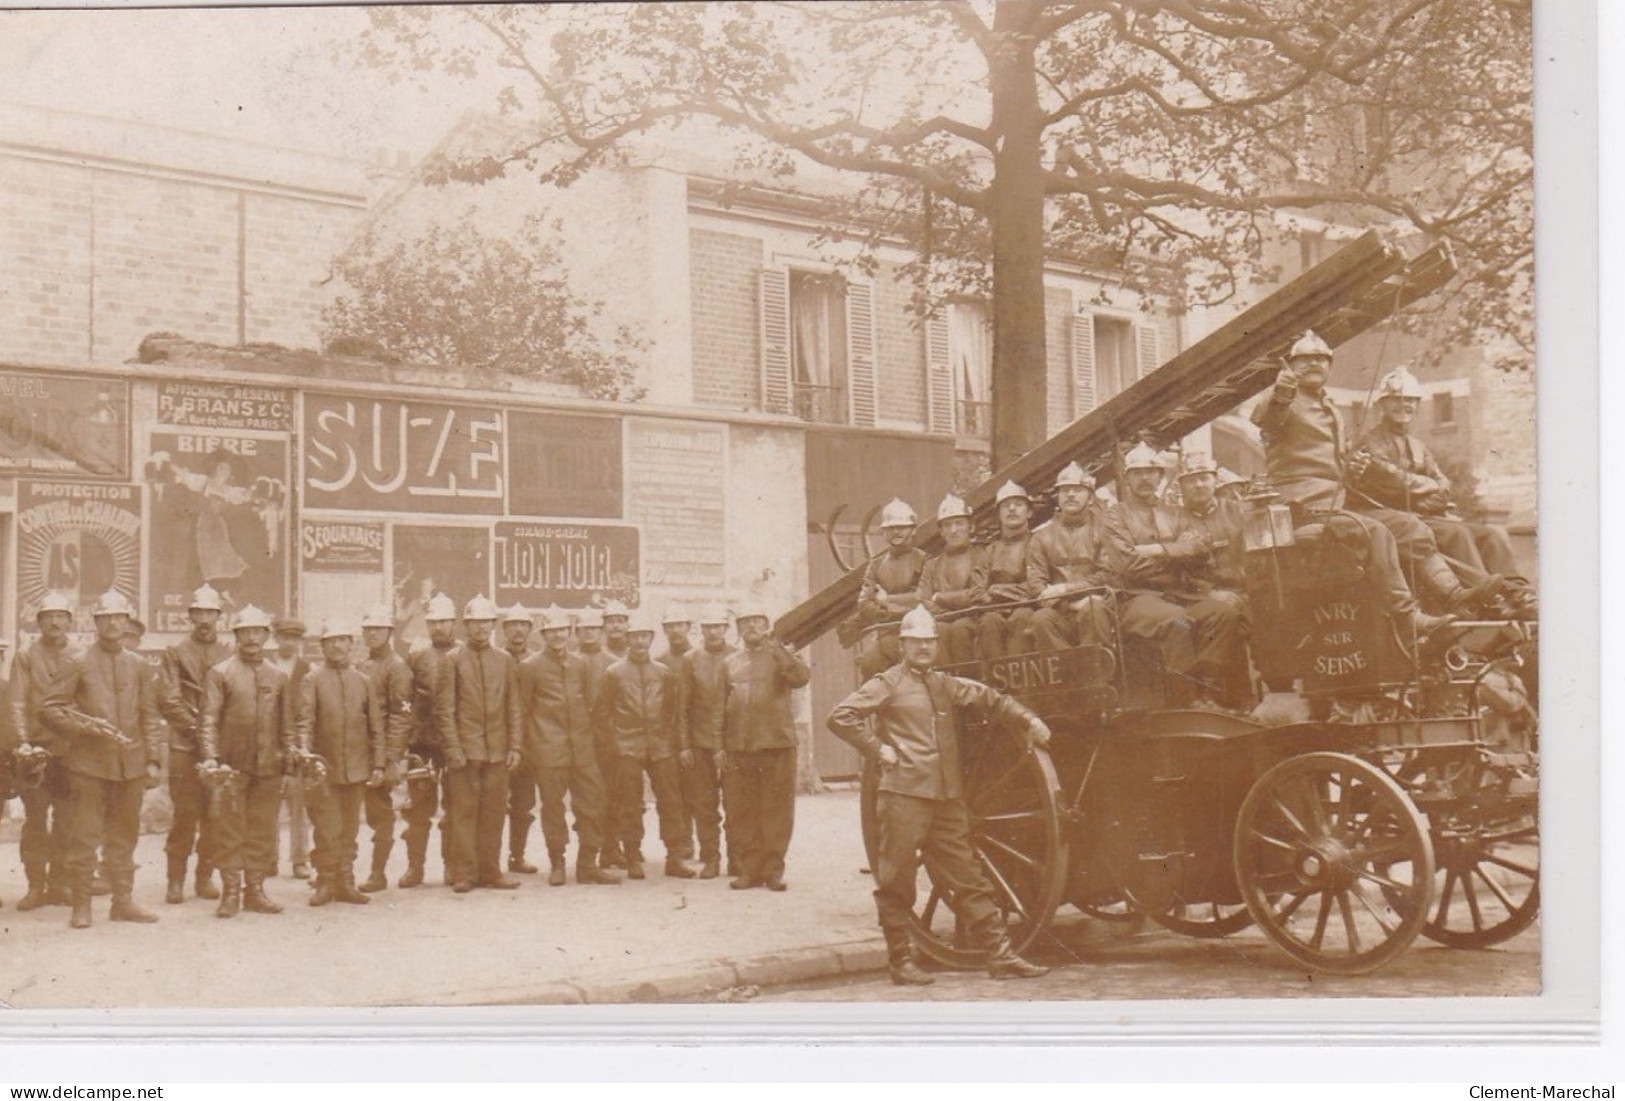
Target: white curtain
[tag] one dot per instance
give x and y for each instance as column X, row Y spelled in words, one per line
column 818, row 330
column 970, row 338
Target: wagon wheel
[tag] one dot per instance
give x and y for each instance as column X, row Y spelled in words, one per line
column 1117, row 911
column 1015, row 810
column 1205, row 920
column 1334, row 862
column 1489, row 884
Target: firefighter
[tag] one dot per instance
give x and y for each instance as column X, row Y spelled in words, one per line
column 759, row 737
column 1398, row 471
column 1153, row 549
column 104, row 707
column 248, row 724
column 955, row 581
column 890, row 588
column 907, row 721
column 700, row 755
column 44, row 842
column 185, row 669
column 589, row 635
column 636, row 710
column 1304, row 452
column 616, row 621
column 1217, row 520
column 431, row 713
column 1008, row 630
column 484, row 741
column 391, row 680
column 517, row 626
column 561, row 755
column 341, row 722
column 1066, row 557
column 676, row 626
column 289, row 635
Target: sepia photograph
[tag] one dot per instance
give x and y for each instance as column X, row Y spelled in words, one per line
column 961, row 502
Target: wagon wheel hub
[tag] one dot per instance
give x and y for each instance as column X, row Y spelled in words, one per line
column 1324, row 863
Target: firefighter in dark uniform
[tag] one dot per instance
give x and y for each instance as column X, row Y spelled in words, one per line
column 675, row 625
column 431, row 713
column 891, row 586
column 517, row 625
column 1008, row 631
column 561, row 754
column 955, row 581
column 184, row 670
column 247, row 724
column 589, row 635
column 636, row 710
column 484, row 741
column 341, row 722
column 1065, row 557
column 1153, row 548
column 391, row 681
column 700, row 755
column 1218, row 521
column 617, row 623
column 44, row 842
column 759, row 737
column 105, row 708
column 915, row 739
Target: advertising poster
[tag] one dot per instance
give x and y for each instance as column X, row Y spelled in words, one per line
column 431, row 559
column 572, row 565
column 219, row 514
column 341, row 546
column 82, row 540
column 58, row 426
column 565, row 465
column 380, row 454
column 225, row 405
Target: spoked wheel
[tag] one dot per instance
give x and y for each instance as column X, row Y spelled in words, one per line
column 1116, row 911
column 1205, row 920
column 1334, row 862
column 1014, row 801
column 1489, row 884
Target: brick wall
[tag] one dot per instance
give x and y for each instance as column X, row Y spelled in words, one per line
column 899, row 352
column 45, row 264
column 724, row 270
column 288, row 246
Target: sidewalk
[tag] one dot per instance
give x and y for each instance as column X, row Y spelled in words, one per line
column 657, row 940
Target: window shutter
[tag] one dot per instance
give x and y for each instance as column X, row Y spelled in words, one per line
column 860, row 330
column 939, row 376
column 1145, row 350
column 775, row 323
column 1083, row 362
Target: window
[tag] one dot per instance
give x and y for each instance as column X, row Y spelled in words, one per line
column 1444, row 409
column 970, row 345
column 1114, row 357
column 818, row 347
column 1311, row 249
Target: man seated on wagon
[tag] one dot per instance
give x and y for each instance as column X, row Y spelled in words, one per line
column 1005, row 631
column 1219, row 573
column 1066, row 558
column 891, row 586
column 1398, row 471
column 1159, row 554
column 955, row 581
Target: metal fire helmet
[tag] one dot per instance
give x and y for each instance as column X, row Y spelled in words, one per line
column 590, row 617
column 1197, row 462
column 113, row 602
column 251, row 616
column 1309, row 344
column 337, row 627
column 481, row 607
column 1399, row 383
column 53, row 601
column 1073, row 475
column 516, row 614
column 206, row 599
column 674, row 614
column 379, row 615
column 555, row 619
column 918, row 623
column 1143, row 457
column 640, row 621
column 615, row 607
column 714, row 614
column 440, row 608
column 897, row 514
column 953, row 507
column 750, row 610
column 1009, row 490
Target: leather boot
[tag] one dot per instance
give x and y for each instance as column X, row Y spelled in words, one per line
column 59, row 893
column 905, row 969
column 377, row 881
column 1003, row 963
column 98, row 883
column 633, row 864
column 175, row 889
column 39, row 893
column 1435, row 577
column 676, row 869
column 204, row 886
column 323, row 894
column 125, row 909
column 81, row 909
column 555, row 873
column 346, row 891
column 518, row 831
column 710, row 868
column 413, row 876
column 231, row 895
column 255, row 900
column 1423, row 625
column 588, row 871
column 613, row 856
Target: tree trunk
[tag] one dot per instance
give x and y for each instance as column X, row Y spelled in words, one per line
column 1016, row 215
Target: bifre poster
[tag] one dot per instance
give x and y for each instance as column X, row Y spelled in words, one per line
column 80, row 539
column 219, row 515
